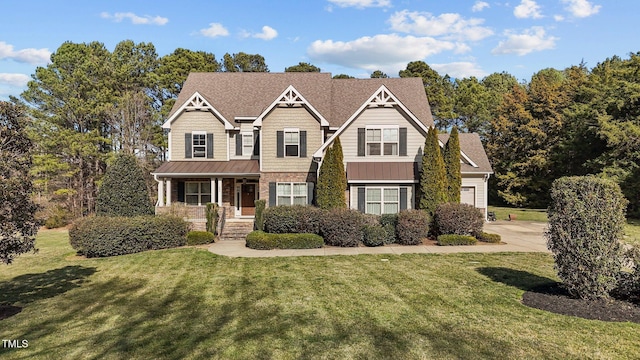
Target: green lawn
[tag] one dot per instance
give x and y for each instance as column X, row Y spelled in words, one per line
column 632, row 231
column 189, row 303
column 502, row 213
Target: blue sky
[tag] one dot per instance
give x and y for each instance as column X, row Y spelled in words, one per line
column 459, row 37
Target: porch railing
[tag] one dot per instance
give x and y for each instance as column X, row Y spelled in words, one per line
column 189, row 212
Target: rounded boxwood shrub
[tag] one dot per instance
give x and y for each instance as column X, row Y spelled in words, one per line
column 341, row 227
column 261, row 240
column 373, row 235
column 200, row 238
column 458, row 219
column 586, row 224
column 489, row 238
column 413, row 226
column 389, row 223
column 100, row 236
column 285, row 219
column 453, row 239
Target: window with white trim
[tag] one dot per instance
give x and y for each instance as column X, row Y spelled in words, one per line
column 382, row 200
column 199, row 144
column 247, row 144
column 291, row 142
column 382, row 141
column 197, row 193
column 290, row 193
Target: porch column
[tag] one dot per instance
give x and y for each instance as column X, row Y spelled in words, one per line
column 160, row 192
column 212, row 187
column 168, row 192
column 219, row 191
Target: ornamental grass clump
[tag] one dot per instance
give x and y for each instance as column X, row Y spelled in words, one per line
column 586, row 224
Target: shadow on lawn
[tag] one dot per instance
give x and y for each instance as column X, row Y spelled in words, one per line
column 521, row 279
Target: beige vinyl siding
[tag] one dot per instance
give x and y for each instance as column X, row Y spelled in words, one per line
column 198, row 121
column 476, row 181
column 382, row 116
column 278, row 120
column 245, row 127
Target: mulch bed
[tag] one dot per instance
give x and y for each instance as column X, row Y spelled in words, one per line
column 7, row 311
column 555, row 299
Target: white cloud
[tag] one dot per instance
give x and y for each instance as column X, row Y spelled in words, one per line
column 389, row 53
column 449, row 26
column 214, row 30
column 29, row 56
column 479, row 6
column 135, row 19
column 459, row 70
column 581, row 8
column 533, row 39
column 527, row 9
column 361, row 4
column 18, row 80
column 558, row 18
column 268, row 33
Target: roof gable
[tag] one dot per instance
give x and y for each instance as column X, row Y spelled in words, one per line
column 196, row 103
column 291, row 97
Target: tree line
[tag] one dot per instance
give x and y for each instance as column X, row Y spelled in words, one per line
column 90, row 103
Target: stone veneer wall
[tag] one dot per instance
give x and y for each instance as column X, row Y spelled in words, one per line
column 267, row 177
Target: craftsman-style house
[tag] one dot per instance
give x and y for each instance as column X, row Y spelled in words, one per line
column 238, row 137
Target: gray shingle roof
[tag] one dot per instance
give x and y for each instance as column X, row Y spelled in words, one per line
column 249, row 94
column 471, row 145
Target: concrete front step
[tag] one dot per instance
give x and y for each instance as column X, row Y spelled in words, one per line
column 236, row 230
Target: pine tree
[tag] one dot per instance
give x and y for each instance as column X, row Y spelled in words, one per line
column 452, row 165
column 433, row 179
column 123, row 191
column 332, row 180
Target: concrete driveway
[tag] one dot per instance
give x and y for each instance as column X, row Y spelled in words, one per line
column 517, row 236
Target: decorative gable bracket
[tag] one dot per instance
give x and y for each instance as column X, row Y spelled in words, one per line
column 197, row 103
column 382, row 98
column 289, row 98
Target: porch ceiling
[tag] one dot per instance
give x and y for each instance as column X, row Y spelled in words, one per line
column 208, row 168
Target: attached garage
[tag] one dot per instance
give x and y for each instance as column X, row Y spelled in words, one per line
column 468, row 195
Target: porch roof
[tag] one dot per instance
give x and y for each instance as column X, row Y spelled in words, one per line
column 208, row 168
column 382, row 171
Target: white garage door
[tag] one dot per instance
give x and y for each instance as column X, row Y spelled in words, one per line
column 468, row 195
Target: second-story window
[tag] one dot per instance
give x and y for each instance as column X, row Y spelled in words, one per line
column 199, row 143
column 291, row 142
column 247, row 144
column 382, row 141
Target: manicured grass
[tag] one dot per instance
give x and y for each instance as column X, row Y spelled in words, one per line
column 632, row 232
column 191, row 304
column 502, row 213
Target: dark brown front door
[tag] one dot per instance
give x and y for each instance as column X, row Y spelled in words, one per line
column 247, row 199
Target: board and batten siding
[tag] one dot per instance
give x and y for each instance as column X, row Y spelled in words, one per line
column 382, row 116
column 198, row 121
column 476, row 181
column 278, row 120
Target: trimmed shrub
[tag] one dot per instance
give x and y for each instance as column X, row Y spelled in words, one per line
column 110, row 236
column 258, row 222
column 124, row 191
column 433, row 180
column 413, row 226
column 373, row 235
column 341, row 227
column 211, row 214
column 458, row 219
column 332, row 181
column 389, row 223
column 586, row 224
column 286, row 219
column 200, row 237
column 489, row 238
column 59, row 217
column 452, row 165
column 261, row 240
column 453, row 239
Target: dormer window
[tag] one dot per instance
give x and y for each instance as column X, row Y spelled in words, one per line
column 199, row 144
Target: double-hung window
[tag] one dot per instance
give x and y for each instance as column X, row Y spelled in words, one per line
column 198, row 193
column 382, row 141
column 247, row 144
column 385, row 200
column 290, row 193
column 291, row 142
column 199, row 144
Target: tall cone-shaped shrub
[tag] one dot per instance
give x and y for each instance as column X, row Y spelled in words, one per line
column 433, row 179
column 332, row 180
column 452, row 166
column 123, row 191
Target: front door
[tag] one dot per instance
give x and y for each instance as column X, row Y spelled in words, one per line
column 247, row 199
